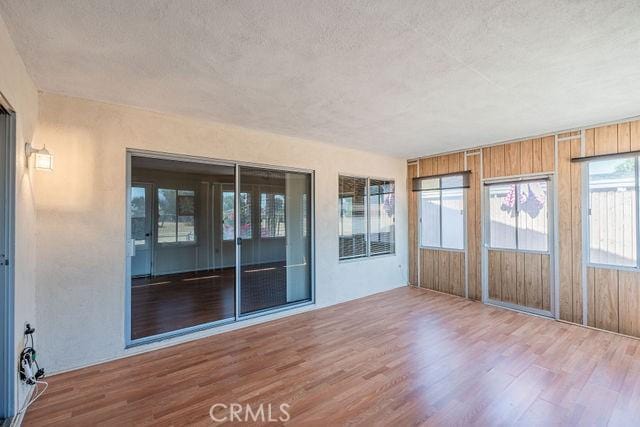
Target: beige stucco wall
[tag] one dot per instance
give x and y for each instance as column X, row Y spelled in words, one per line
column 81, row 216
column 18, row 89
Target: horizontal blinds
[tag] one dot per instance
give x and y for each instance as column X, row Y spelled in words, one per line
column 382, row 216
column 442, row 182
column 353, row 217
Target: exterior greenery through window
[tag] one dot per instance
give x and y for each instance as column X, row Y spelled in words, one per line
column 176, row 216
column 613, row 212
column 367, row 217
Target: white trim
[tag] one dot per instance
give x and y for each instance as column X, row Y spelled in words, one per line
column 556, row 233
column 584, row 207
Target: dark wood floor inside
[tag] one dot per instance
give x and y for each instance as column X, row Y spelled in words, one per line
column 403, row 357
column 170, row 302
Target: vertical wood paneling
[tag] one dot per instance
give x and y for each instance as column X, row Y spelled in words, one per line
column 537, row 155
column 613, row 296
column 548, row 153
column 526, row 157
column 486, row 163
column 565, row 231
column 495, row 276
column 473, row 229
column 412, row 172
column 634, row 131
column 545, row 282
column 520, row 277
column 456, row 263
column 575, row 194
column 512, row 158
column 533, row 280
column 497, row 160
column 629, row 303
column 624, row 138
column 508, row 280
column 444, row 271
column 591, row 311
column 606, row 299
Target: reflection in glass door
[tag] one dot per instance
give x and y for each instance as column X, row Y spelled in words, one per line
column 210, row 243
column 274, row 238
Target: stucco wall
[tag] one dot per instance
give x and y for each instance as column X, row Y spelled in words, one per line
column 18, row 89
column 81, row 217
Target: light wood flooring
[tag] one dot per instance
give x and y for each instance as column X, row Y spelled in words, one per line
column 404, row 357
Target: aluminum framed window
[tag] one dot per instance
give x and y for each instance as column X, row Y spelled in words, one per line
column 366, row 221
column 612, row 187
column 443, row 219
column 519, row 215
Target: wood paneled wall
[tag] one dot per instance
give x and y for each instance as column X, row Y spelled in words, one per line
column 442, row 270
column 519, row 158
column 474, row 227
column 569, row 185
column 520, row 278
column 412, row 172
column 612, row 295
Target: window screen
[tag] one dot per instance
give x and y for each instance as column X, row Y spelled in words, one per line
column 613, row 189
column 352, row 228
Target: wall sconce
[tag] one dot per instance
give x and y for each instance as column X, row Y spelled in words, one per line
column 44, row 159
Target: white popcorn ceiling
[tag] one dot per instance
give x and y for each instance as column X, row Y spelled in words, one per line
column 400, row 77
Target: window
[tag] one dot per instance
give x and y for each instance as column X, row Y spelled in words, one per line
column 272, row 221
column 367, row 217
column 228, row 207
column 382, row 214
column 518, row 216
column 613, row 216
column 138, row 216
column 442, row 212
column 176, row 216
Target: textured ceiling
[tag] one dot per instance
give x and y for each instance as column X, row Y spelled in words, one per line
column 401, row 77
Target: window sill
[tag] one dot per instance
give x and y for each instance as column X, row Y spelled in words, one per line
column 629, row 268
column 437, row 248
column 365, row 258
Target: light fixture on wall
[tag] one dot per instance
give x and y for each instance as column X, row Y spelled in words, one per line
column 44, row 159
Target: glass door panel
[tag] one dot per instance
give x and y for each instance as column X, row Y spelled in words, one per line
column 182, row 274
column 274, row 238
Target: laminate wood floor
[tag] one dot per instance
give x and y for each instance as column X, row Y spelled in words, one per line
column 404, row 357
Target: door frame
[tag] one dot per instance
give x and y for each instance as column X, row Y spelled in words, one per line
column 484, row 192
column 7, row 300
column 128, row 342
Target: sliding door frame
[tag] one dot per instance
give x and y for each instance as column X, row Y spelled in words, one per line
column 7, row 299
column 551, row 241
column 129, row 342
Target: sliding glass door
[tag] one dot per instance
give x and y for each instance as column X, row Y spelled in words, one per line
column 194, row 225
column 275, row 251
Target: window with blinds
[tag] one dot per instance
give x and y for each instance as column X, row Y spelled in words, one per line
column 367, row 217
column 382, row 217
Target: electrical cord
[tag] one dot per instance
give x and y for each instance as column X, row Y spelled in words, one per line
column 37, row 395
